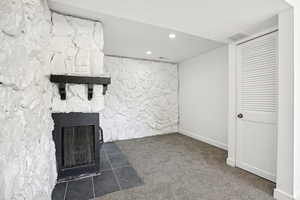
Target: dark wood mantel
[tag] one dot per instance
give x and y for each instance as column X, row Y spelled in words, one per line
column 62, row 80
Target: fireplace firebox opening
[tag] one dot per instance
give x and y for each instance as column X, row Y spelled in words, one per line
column 77, row 143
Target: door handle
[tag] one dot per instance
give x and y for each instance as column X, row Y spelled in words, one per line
column 240, row 115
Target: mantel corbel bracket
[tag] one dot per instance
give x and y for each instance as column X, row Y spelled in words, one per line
column 62, row 91
column 90, row 91
column 90, row 81
column 104, row 89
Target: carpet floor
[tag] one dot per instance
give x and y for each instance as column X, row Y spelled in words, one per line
column 176, row 167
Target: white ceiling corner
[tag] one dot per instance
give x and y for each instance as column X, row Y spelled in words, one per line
column 134, row 26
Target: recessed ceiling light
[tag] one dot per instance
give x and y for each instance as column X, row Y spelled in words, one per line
column 172, row 36
column 148, row 52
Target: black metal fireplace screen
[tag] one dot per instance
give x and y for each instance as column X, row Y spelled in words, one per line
column 77, row 138
column 78, row 146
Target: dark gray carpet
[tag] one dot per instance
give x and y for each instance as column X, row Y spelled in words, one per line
column 176, row 167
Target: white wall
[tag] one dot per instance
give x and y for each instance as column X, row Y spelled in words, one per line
column 142, row 99
column 296, row 5
column 203, row 97
column 288, row 160
column 285, row 106
column 231, row 127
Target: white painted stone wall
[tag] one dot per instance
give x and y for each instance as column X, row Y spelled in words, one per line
column 27, row 153
column 77, row 49
column 142, row 99
column 34, row 43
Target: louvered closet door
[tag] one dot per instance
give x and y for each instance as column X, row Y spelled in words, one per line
column 257, row 106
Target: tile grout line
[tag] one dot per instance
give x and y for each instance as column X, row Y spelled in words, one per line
column 113, row 171
column 116, row 168
column 94, row 195
column 66, row 190
column 81, row 178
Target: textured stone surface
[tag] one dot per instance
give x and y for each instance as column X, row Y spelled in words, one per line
column 77, row 49
column 27, row 158
column 142, row 99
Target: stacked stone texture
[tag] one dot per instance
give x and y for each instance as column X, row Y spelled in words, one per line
column 142, row 99
column 27, row 153
column 33, row 44
column 77, row 49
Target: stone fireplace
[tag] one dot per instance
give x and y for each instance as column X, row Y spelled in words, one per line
column 77, row 59
column 35, row 43
column 77, row 138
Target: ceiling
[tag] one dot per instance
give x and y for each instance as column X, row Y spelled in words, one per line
column 132, row 27
column 132, row 39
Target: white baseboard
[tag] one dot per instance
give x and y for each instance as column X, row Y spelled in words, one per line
column 281, row 195
column 203, row 139
column 110, row 137
column 256, row 171
column 230, row 162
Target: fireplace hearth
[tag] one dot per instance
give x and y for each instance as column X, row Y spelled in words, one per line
column 77, row 143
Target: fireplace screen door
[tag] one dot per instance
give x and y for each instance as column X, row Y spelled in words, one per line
column 78, row 146
column 77, row 143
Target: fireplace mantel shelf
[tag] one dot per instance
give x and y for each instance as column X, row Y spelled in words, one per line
column 62, row 80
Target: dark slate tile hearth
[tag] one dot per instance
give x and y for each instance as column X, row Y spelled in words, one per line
column 128, row 177
column 105, row 183
column 111, row 148
column 116, row 174
column 104, row 162
column 118, row 160
column 59, row 191
column 80, row 189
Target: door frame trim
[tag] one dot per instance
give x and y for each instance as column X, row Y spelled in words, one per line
column 232, row 94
